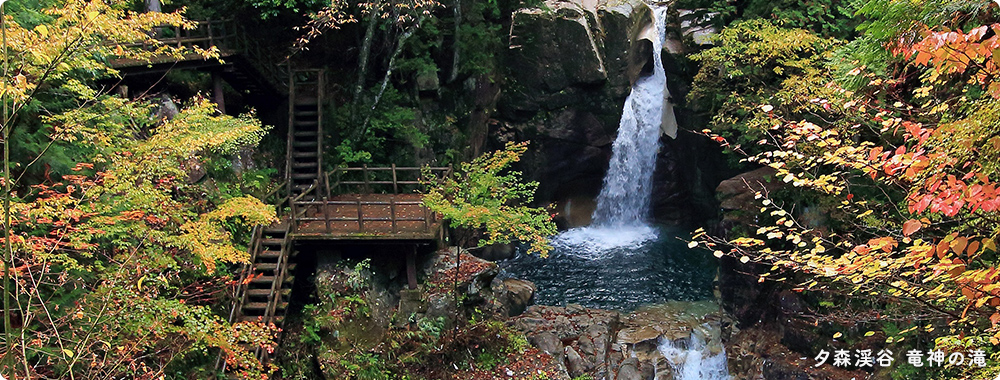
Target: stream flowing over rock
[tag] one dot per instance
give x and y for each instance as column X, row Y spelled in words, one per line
column 670, row 341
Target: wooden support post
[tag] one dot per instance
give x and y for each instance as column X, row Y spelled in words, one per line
column 395, row 188
column 411, row 267
column 320, row 92
column 326, row 214
column 364, row 173
column 426, row 218
column 392, row 213
column 361, row 221
column 211, row 38
column 218, row 93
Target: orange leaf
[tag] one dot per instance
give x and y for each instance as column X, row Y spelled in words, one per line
column 968, row 293
column 973, row 247
column 942, row 248
column 959, row 244
column 911, row 226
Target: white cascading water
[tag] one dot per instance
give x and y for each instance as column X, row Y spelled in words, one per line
column 696, row 361
column 621, row 217
column 624, row 199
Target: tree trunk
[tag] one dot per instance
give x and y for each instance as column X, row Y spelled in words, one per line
column 154, row 6
column 456, row 50
column 366, row 48
column 388, row 73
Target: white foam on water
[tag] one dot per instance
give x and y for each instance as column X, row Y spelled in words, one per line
column 598, row 242
column 696, row 361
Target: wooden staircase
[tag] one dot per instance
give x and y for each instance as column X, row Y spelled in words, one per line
column 271, row 275
column 305, row 131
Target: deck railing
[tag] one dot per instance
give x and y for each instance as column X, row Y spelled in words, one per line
column 427, row 218
column 362, row 189
column 381, row 180
column 222, row 34
column 230, row 38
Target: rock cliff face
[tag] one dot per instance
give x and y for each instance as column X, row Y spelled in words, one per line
column 570, row 67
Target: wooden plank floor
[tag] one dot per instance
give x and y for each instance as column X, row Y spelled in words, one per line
column 417, row 223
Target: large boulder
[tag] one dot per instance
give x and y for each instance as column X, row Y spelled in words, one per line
column 518, row 295
column 737, row 194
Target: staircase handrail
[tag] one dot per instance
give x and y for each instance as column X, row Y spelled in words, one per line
column 239, row 297
column 274, row 74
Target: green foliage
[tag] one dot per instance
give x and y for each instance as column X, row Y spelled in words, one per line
column 126, row 258
column 485, row 195
column 759, row 63
column 432, row 327
column 272, row 8
column 831, row 18
column 900, row 155
column 391, row 135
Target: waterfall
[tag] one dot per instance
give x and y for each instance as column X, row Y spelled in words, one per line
column 693, row 359
column 624, row 199
column 620, row 219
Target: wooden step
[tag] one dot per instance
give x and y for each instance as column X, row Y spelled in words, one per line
column 255, row 306
column 305, row 144
column 272, row 242
column 263, row 280
column 285, row 292
column 268, row 254
column 306, row 123
column 312, row 154
column 265, row 267
column 249, row 306
column 276, row 231
column 304, row 176
column 258, row 292
column 305, row 165
column 266, row 281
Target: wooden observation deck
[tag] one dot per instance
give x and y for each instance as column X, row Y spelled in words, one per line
column 241, row 62
column 360, row 213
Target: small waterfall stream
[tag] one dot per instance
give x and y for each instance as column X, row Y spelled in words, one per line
column 693, row 358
